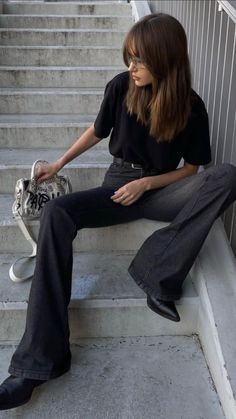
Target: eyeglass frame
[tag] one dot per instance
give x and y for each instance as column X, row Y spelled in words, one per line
column 136, row 61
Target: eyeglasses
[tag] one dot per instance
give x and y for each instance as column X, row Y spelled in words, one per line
column 137, row 62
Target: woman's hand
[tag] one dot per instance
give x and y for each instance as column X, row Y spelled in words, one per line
column 46, row 171
column 129, row 193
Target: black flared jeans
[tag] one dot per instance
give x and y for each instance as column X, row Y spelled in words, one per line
column 191, row 205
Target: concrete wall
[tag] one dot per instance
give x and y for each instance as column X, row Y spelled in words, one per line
column 212, row 40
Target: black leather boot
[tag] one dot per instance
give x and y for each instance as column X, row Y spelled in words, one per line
column 15, row 391
column 164, row 308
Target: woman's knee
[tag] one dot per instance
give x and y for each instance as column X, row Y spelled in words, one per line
column 225, row 172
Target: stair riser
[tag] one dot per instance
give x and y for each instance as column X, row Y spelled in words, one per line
column 110, row 322
column 56, row 78
column 68, row 22
column 44, row 137
column 30, row 37
column 81, row 178
column 50, row 103
column 123, row 237
column 67, row 9
column 60, row 56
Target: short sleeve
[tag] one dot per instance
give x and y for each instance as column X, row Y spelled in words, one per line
column 198, row 149
column 106, row 116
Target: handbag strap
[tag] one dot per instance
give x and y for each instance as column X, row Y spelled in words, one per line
column 14, row 277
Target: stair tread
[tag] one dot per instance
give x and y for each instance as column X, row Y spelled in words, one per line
column 62, row 67
column 68, row 16
column 25, row 157
column 50, row 90
column 8, row 29
column 50, row 120
column 68, row 2
column 128, row 377
column 96, row 276
column 60, row 47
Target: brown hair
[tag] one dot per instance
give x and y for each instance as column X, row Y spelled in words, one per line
column 159, row 40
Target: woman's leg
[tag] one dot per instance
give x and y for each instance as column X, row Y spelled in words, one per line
column 44, row 352
column 192, row 204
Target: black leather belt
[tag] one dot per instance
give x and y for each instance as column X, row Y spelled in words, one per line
column 128, row 164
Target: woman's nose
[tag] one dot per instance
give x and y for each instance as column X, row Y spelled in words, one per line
column 132, row 67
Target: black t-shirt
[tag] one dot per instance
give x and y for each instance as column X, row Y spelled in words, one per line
column 131, row 141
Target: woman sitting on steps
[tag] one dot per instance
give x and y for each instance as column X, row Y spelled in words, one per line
column 155, row 119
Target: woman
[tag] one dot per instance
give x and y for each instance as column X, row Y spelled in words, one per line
column 156, row 120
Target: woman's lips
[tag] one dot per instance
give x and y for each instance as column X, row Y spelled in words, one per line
column 136, row 78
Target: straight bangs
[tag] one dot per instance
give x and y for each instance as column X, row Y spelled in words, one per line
column 160, row 42
column 133, row 45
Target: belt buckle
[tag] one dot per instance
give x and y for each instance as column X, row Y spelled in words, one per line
column 133, row 166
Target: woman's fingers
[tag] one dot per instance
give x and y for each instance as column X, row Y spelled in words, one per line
column 129, row 193
column 42, row 177
column 127, row 202
column 122, row 197
column 40, row 171
column 118, row 193
column 125, row 199
column 121, row 193
column 44, row 172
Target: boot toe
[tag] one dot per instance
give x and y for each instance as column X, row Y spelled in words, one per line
column 16, row 391
column 166, row 309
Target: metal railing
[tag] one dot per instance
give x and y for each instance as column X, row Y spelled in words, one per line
column 210, row 26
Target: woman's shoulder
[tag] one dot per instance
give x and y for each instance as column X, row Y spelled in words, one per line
column 120, row 81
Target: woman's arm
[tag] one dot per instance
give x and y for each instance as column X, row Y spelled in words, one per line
column 129, row 193
column 83, row 143
column 153, row 182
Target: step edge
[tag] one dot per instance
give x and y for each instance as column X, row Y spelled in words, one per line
column 99, row 303
column 62, row 30
column 128, row 16
column 59, row 68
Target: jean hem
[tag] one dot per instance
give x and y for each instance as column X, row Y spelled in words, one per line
column 37, row 375
column 149, row 291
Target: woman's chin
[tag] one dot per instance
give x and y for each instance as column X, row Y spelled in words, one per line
column 139, row 82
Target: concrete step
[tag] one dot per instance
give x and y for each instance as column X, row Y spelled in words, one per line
column 66, row 22
column 107, row 8
column 125, row 379
column 16, row 76
column 86, row 171
column 125, row 237
column 50, row 101
column 66, row 37
column 105, row 301
column 60, row 56
column 44, row 131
